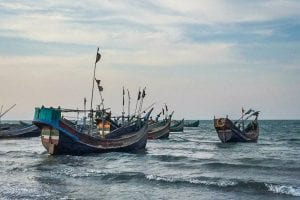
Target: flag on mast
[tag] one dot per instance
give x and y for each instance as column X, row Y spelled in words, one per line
column 144, row 93
column 123, row 96
column 98, row 56
column 100, row 88
column 139, row 95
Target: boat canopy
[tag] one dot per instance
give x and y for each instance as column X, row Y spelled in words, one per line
column 51, row 115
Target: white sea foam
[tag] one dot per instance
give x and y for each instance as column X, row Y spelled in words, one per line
column 283, row 189
column 220, row 183
column 161, row 178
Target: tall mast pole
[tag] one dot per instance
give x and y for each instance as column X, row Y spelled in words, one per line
column 243, row 119
column 98, row 56
column 137, row 101
column 1, row 113
column 123, row 104
column 141, row 102
column 128, row 104
column 84, row 107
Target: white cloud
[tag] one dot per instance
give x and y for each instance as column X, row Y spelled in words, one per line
column 139, row 33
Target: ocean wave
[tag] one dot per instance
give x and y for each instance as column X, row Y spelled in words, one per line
column 283, row 189
column 169, row 158
column 216, row 165
column 197, row 181
column 226, row 183
column 112, row 176
column 289, row 140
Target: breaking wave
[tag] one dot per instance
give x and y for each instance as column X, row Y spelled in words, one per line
column 283, row 189
column 266, row 187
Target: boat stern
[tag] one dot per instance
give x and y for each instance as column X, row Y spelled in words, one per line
column 47, row 119
column 50, row 139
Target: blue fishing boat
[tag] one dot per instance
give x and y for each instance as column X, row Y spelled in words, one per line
column 193, row 124
column 60, row 136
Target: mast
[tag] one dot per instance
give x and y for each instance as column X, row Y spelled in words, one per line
column 84, row 108
column 98, row 56
column 129, row 99
column 137, row 101
column 141, row 102
column 100, row 89
column 123, row 105
column 243, row 124
column 0, row 113
column 167, row 111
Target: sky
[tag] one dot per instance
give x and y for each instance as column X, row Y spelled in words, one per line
column 203, row 58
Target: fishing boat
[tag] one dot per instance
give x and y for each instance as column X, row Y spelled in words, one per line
column 229, row 131
column 160, row 129
column 177, row 126
column 20, row 132
column 17, row 130
column 60, row 136
column 159, row 132
column 193, row 124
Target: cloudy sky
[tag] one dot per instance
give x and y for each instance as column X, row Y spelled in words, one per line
column 203, row 58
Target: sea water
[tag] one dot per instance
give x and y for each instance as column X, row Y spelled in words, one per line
column 192, row 164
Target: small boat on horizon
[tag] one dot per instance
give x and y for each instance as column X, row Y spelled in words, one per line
column 177, row 126
column 229, row 131
column 20, row 130
column 192, row 124
column 160, row 129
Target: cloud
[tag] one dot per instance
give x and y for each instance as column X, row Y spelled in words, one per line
column 200, row 56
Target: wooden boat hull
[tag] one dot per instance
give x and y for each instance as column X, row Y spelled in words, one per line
column 178, row 127
column 59, row 137
column 65, row 140
column 193, row 124
column 160, row 132
column 228, row 132
column 28, row 131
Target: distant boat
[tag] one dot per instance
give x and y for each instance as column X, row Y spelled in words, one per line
column 17, row 130
column 177, row 126
column 229, row 131
column 59, row 136
column 4, row 127
column 159, row 130
column 193, row 124
column 20, row 131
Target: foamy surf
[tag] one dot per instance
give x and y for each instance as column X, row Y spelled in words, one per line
column 219, row 182
column 283, row 189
